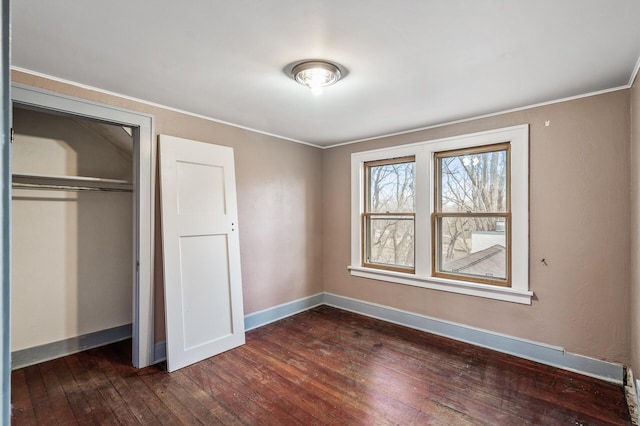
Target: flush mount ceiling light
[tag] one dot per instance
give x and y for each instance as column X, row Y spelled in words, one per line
column 316, row 74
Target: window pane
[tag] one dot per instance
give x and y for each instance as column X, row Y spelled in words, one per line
column 475, row 182
column 391, row 188
column 390, row 241
column 472, row 246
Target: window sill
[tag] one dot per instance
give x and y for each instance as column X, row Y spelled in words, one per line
column 506, row 294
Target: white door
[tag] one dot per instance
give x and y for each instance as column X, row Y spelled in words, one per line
column 202, row 282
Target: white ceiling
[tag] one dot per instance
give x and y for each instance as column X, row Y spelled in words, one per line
column 412, row 63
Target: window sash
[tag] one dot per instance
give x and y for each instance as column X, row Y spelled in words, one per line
column 437, row 258
column 368, row 216
column 438, row 215
column 484, row 149
column 367, row 243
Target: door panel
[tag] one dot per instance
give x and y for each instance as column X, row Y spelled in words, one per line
column 203, row 286
column 193, row 201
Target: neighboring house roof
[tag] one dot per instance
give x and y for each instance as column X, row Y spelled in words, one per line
column 488, row 262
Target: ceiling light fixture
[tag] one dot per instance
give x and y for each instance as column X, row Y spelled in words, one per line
column 316, row 75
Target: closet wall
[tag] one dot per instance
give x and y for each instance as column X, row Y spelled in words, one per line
column 72, row 250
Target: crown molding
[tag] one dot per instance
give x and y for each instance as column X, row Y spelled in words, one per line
column 156, row 105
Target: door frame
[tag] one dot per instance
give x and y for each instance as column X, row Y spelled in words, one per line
column 144, row 203
column 5, row 213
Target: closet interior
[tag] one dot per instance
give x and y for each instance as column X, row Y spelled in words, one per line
column 72, row 234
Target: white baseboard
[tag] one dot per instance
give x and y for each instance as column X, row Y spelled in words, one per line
column 275, row 313
column 546, row 354
column 49, row 351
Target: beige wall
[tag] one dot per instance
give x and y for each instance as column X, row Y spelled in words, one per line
column 294, row 205
column 635, row 227
column 279, row 187
column 579, row 222
column 71, row 250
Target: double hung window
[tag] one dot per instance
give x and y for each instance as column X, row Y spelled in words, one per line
column 448, row 214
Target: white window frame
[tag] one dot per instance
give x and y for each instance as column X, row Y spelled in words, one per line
column 518, row 136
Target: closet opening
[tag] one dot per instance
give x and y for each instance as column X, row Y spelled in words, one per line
column 81, row 228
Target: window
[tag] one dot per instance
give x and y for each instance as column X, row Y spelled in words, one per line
column 389, row 216
column 471, row 216
column 449, row 214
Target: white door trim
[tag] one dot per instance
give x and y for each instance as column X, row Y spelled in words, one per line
column 5, row 214
column 143, row 344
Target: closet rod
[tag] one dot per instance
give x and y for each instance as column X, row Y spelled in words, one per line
column 42, row 186
column 69, row 183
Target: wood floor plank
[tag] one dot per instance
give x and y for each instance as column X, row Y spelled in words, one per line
column 129, row 381
column 239, row 397
column 100, row 411
column 489, row 379
column 110, row 397
column 348, row 363
column 323, row 366
column 22, row 410
column 352, row 376
column 60, row 405
column 163, row 413
column 251, row 372
column 121, row 377
column 42, row 404
column 197, row 402
column 319, row 401
column 350, row 380
column 75, row 397
column 167, row 388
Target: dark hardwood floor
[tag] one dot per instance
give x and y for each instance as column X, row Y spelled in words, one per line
column 324, row 366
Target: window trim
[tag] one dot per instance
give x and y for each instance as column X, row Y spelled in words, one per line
column 518, row 136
